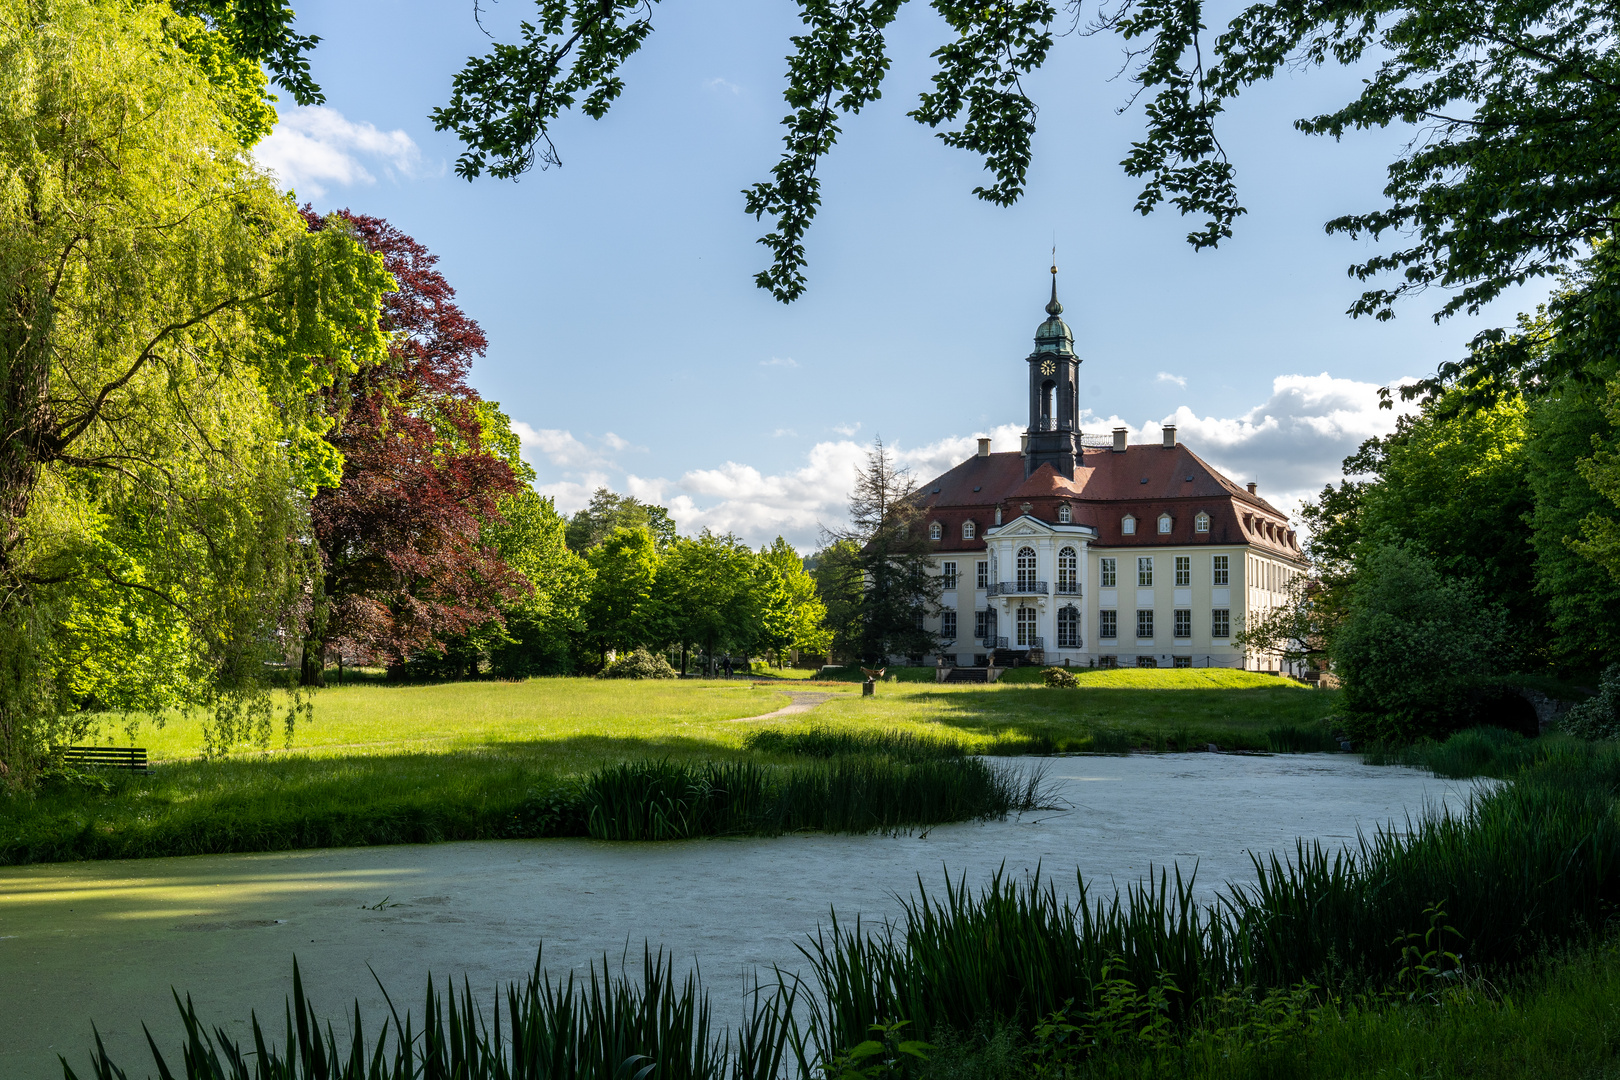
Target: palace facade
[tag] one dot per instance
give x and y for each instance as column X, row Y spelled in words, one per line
column 1092, row 551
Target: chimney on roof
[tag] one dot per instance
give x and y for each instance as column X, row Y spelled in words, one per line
column 1169, row 436
column 1251, row 487
column 1119, row 440
column 984, row 447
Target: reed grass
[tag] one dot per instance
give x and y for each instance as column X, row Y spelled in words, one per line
column 1530, row 865
column 604, row 1027
column 850, row 794
column 821, row 741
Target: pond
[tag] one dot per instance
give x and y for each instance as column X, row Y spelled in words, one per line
column 105, row 941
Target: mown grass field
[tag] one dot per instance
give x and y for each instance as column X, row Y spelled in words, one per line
column 407, row 764
column 572, row 724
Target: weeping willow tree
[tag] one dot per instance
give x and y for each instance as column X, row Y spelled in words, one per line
column 166, row 320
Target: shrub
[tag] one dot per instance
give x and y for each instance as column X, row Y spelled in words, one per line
column 639, row 664
column 1415, row 649
column 1598, row 717
column 1056, row 676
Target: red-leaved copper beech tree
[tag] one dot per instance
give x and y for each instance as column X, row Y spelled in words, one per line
column 402, row 564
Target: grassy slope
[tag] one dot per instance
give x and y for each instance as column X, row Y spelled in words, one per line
column 1164, row 709
column 381, row 764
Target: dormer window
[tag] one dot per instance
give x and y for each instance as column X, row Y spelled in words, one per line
column 1164, row 524
column 1128, row 525
column 969, row 530
column 1201, row 522
column 1064, row 514
column 936, row 531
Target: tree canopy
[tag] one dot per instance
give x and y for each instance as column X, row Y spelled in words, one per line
column 167, row 324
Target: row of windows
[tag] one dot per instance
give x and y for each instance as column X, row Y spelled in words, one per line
column 1069, row 571
column 1127, row 524
column 1220, row 571
column 1220, row 623
column 1271, row 576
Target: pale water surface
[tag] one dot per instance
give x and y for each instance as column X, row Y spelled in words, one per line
column 105, row 941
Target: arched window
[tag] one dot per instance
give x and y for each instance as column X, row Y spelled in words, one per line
column 1064, row 514
column 1068, row 578
column 1048, row 398
column 1026, row 628
column 968, row 530
column 1201, row 522
column 935, row 531
column 1164, row 523
column 1068, row 627
column 1026, row 570
column 1128, row 526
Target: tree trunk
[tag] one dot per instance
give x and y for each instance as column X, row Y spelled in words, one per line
column 683, row 659
column 312, row 669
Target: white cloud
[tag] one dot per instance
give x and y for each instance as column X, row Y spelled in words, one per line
column 1166, row 377
column 313, row 146
column 1294, row 442
column 722, row 86
column 780, row 361
column 847, row 429
column 781, row 431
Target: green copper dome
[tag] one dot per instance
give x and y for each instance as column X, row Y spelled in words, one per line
column 1054, row 336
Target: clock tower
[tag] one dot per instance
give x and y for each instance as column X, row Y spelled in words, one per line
column 1054, row 395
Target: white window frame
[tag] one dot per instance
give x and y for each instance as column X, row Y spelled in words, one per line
column 1220, row 622
column 1144, row 571
column 1127, row 525
column 1109, row 569
column 947, row 625
column 983, row 574
column 1166, row 523
column 1068, row 570
column 1026, row 564
column 1221, row 570
column 1201, row 522
column 1108, row 624
column 1144, row 621
column 947, row 573
column 969, row 529
column 936, row 531
column 1065, row 515
column 1183, row 571
column 1182, row 627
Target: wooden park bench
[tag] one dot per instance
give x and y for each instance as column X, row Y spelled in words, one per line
column 132, row 758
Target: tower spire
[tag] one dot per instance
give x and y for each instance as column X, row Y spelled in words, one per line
column 1053, row 308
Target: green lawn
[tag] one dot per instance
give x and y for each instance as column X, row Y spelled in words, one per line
column 387, row 764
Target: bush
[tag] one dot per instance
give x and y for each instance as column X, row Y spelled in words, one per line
column 1599, row 717
column 639, row 664
column 1416, row 650
column 1056, row 676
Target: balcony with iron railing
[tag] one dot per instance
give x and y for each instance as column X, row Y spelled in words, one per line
column 1067, row 588
column 1017, row 588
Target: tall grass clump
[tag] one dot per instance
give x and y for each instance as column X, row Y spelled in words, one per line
column 670, row 801
column 604, row 1027
column 830, row 742
column 1481, row 751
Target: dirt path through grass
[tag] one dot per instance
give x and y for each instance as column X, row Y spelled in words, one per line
column 802, row 702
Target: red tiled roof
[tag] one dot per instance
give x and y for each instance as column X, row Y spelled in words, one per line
column 1143, row 481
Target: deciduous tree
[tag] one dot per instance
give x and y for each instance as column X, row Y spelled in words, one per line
column 404, row 565
column 166, row 322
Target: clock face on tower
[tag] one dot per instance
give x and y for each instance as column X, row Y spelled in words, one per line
column 1047, row 367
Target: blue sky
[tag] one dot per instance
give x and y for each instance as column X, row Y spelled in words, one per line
column 629, row 344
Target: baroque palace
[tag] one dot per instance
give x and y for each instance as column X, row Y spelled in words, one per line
column 1084, row 551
